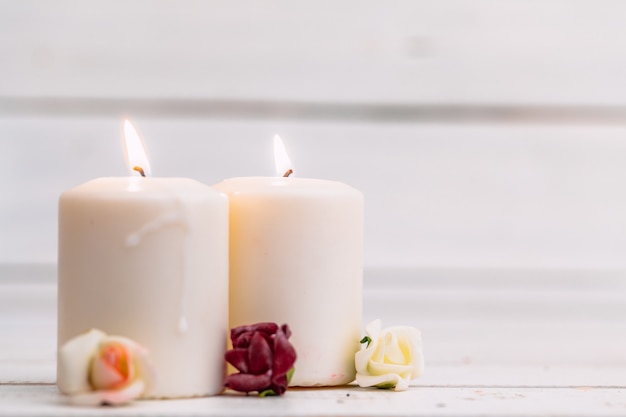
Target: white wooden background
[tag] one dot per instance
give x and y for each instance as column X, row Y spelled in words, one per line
column 448, row 51
column 483, row 133
column 489, row 139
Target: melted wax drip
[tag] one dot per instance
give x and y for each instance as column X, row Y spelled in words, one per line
column 134, row 239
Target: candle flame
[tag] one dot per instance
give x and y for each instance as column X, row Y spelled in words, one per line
column 135, row 153
column 281, row 159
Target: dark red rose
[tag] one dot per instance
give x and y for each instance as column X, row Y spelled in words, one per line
column 263, row 356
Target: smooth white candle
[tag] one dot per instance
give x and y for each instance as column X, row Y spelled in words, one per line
column 296, row 250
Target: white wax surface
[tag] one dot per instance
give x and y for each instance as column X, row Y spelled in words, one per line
column 147, row 258
column 296, row 255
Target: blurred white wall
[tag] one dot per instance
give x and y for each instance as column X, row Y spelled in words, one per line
column 482, row 133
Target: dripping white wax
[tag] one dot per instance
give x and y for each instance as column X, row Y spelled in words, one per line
column 147, row 258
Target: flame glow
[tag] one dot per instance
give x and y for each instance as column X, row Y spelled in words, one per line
column 135, row 153
column 281, row 159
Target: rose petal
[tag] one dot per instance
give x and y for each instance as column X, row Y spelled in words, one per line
column 266, row 327
column 238, row 358
column 279, row 384
column 378, row 354
column 143, row 368
column 363, row 356
column 393, row 352
column 111, row 397
column 237, row 332
column 398, row 383
column 248, row 382
column 242, row 340
column 286, row 330
column 140, row 366
column 113, row 365
column 284, row 354
column 259, row 355
column 74, row 362
column 362, row 360
column 376, row 368
column 103, row 376
column 414, row 337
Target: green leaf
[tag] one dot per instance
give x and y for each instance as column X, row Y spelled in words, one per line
column 367, row 340
column 386, row 386
column 267, row 393
column 290, row 374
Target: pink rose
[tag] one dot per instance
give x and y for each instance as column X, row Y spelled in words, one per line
column 96, row 369
column 264, row 358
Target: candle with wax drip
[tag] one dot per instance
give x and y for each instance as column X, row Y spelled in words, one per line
column 147, row 258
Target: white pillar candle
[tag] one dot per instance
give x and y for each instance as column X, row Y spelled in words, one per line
column 296, row 250
column 147, row 258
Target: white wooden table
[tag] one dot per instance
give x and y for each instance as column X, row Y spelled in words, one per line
column 497, row 342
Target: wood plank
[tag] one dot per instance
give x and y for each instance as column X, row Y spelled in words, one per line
column 43, row 400
column 436, row 195
column 446, row 51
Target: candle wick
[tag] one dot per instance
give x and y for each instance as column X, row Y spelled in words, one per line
column 288, row 172
column 140, row 170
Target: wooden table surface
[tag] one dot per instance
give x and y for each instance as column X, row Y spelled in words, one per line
column 497, row 342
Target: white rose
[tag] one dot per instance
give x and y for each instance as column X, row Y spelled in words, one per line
column 392, row 358
column 96, row 369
